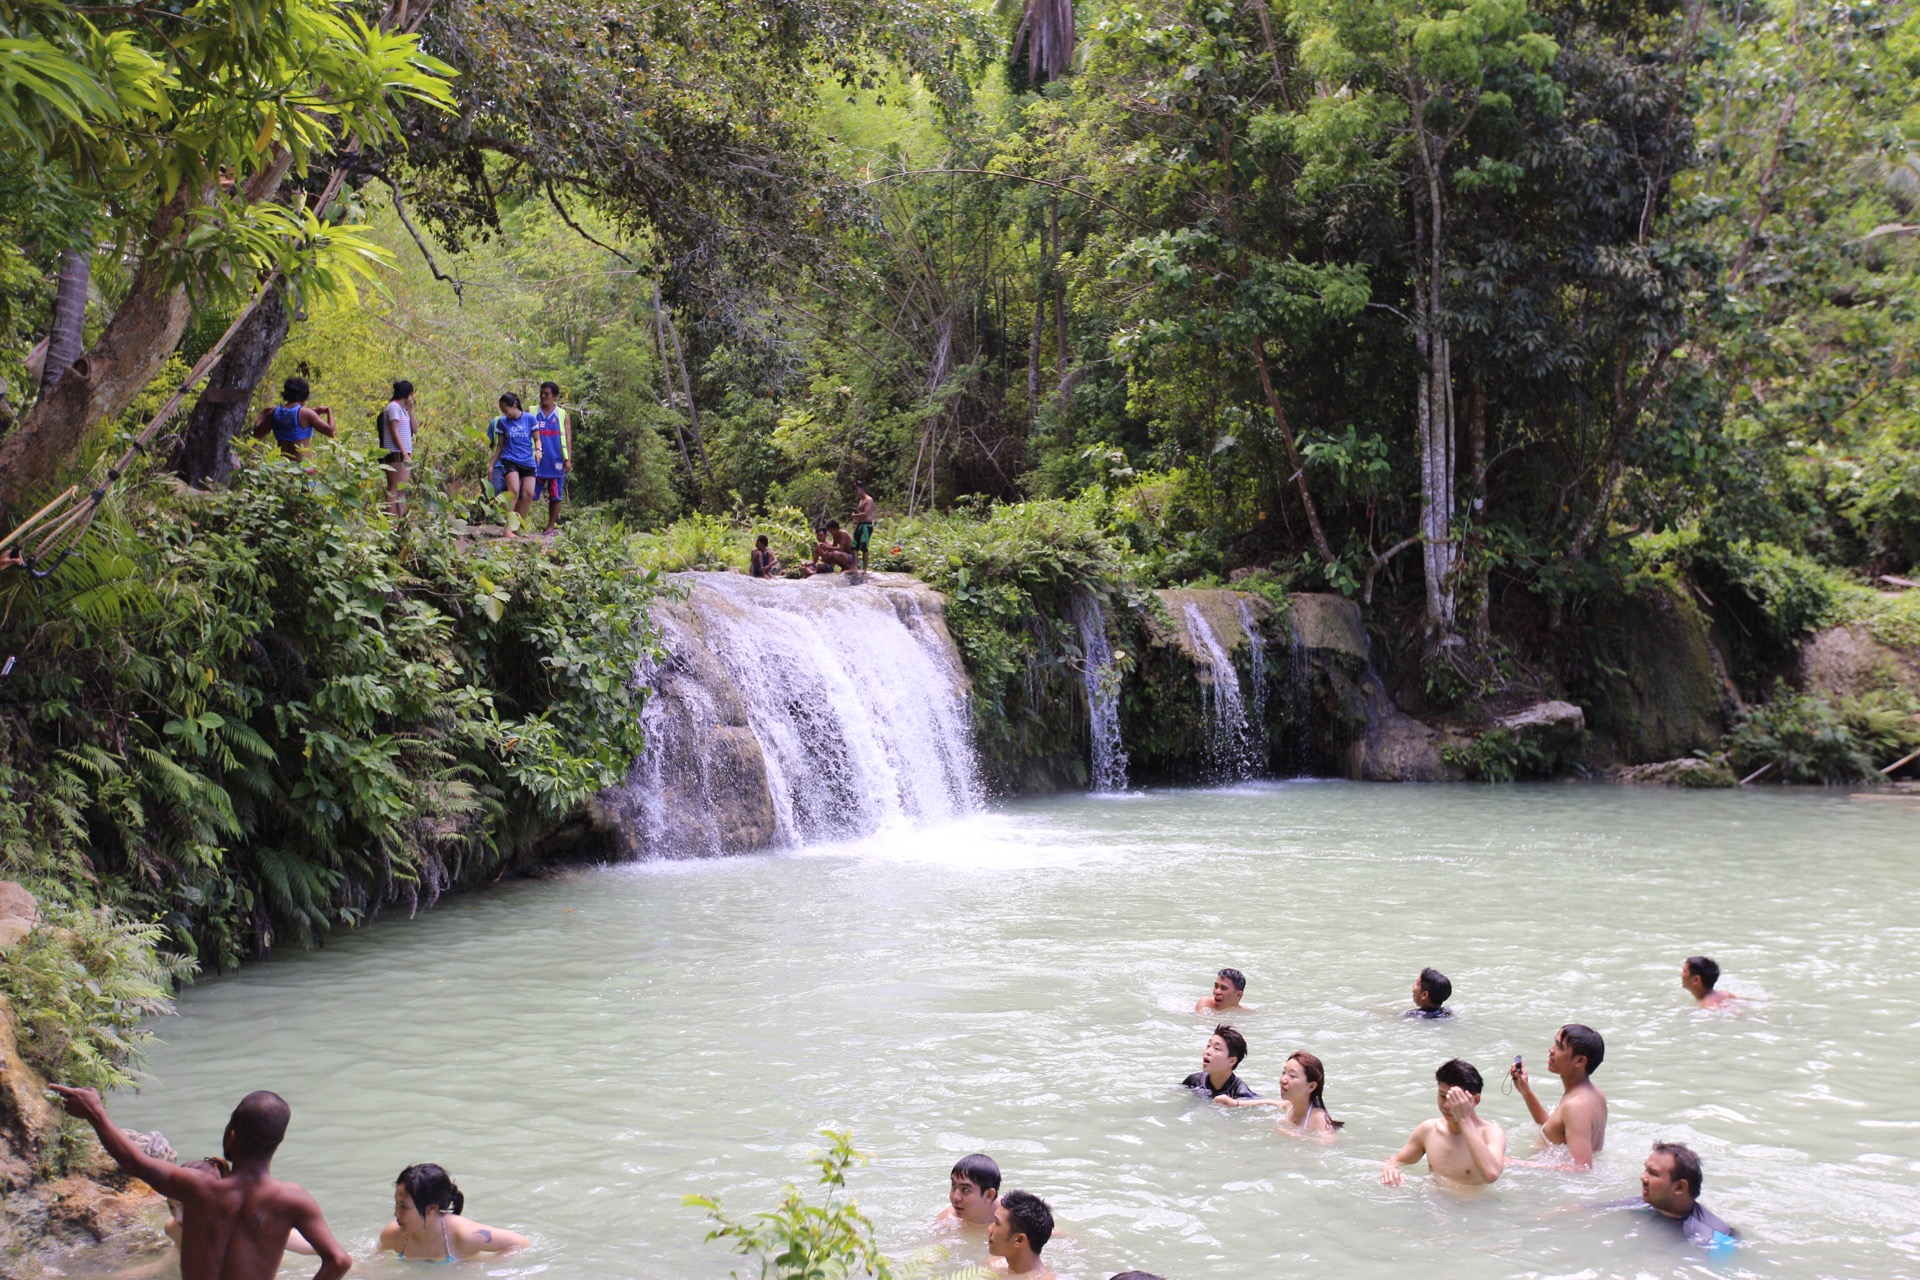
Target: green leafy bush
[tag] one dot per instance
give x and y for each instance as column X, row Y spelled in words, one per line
column 1806, row 738
column 83, row 985
column 264, row 713
column 1500, row 755
column 831, row 1240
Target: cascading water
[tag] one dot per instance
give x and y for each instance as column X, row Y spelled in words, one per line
column 1103, row 697
column 1256, row 672
column 1230, row 750
column 787, row 712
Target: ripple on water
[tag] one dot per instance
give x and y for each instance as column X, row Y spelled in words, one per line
column 581, row 1052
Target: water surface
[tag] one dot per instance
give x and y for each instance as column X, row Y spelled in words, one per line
column 582, row 1052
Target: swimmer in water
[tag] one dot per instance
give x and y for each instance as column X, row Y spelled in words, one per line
column 1228, row 986
column 1580, row 1121
column 427, row 1226
column 1431, row 991
column 1698, row 974
column 1022, row 1225
column 1670, row 1186
column 1303, row 1087
column 1459, row 1145
column 973, row 1193
column 1226, row 1049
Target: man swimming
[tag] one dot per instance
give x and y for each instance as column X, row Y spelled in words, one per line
column 1579, row 1122
column 1698, row 974
column 1228, row 986
column 234, row 1227
column 1225, row 1050
column 1022, row 1225
column 1670, row 1186
column 1430, row 993
column 973, row 1192
column 1459, row 1145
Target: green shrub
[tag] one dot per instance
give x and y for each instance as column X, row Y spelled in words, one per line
column 1500, row 755
column 1809, row 739
column 83, row 985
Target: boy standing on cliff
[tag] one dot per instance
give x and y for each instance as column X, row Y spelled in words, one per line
column 862, row 523
column 232, row 1228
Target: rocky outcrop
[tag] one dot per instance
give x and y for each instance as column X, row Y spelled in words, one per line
column 1558, row 730
column 1664, row 696
column 1399, row 748
column 1688, row 771
column 1842, row 662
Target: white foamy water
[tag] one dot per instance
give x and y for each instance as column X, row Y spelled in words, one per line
column 584, row 1051
column 1109, row 753
column 1230, row 752
column 851, row 699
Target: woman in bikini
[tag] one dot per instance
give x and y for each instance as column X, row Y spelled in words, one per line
column 1303, row 1087
column 427, row 1226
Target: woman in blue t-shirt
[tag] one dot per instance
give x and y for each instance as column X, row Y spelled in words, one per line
column 291, row 421
column 512, row 434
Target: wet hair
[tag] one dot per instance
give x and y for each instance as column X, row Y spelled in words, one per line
column 1435, row 984
column 294, row 390
column 402, row 389
column 429, row 1187
column 1703, row 968
column 760, row 541
column 509, row 398
column 980, row 1170
column 1136, row 1275
column 1317, row 1077
column 1585, row 1042
column 553, row 387
column 1458, row 1074
column 1686, row 1165
column 1029, row 1216
column 1237, row 978
column 833, row 524
column 1236, row 1043
column 259, row 1123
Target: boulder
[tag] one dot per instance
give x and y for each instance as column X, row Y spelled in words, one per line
column 16, row 903
column 29, row 1124
column 1665, row 697
column 1842, row 662
column 1559, row 729
column 1328, row 624
column 12, row 931
column 1688, row 771
column 1399, row 748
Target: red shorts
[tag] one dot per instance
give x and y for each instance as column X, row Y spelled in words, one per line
column 552, row 488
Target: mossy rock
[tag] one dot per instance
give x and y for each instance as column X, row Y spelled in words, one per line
column 1659, row 696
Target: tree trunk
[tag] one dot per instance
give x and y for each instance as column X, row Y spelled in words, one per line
column 64, row 336
column 143, row 332
column 666, row 380
column 693, row 413
column 1434, row 429
column 1039, row 336
column 1259, row 352
column 205, row 454
column 1059, row 298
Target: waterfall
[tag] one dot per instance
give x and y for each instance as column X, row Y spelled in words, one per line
column 1257, row 671
column 1230, row 752
column 792, row 711
column 1103, row 696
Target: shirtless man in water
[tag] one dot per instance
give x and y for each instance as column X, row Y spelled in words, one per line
column 1580, row 1121
column 1228, row 987
column 1698, row 974
column 233, row 1227
column 1459, row 1145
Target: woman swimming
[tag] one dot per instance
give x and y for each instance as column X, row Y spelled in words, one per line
column 1303, row 1086
column 427, row 1226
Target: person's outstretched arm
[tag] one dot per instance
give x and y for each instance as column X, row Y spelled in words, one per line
column 486, row 1239
column 1392, row 1171
column 264, row 425
column 322, row 419
column 1535, row 1107
column 164, row 1176
column 308, row 1221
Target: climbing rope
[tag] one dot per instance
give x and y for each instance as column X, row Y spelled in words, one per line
column 45, row 539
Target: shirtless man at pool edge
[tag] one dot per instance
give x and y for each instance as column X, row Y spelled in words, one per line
column 1459, row 1145
column 1580, row 1121
column 233, row 1227
column 1228, row 986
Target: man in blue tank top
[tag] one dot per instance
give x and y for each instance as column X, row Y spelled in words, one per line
column 291, row 421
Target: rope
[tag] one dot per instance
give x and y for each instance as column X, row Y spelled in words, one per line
column 68, row 515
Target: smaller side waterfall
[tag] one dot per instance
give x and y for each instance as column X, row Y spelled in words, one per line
column 1230, row 750
column 1257, row 669
column 1103, row 696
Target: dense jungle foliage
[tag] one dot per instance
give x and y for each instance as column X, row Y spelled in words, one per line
column 1491, row 314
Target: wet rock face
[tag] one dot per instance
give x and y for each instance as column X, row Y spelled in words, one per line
column 1667, row 699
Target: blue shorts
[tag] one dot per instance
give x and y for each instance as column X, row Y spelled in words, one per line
column 552, row 488
column 499, row 477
